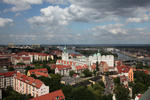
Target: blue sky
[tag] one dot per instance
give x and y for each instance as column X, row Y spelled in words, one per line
column 75, row 21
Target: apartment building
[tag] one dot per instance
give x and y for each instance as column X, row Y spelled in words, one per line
column 6, row 79
column 28, row 85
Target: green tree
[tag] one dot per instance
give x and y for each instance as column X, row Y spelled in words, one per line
column 82, row 93
column 117, row 80
column 11, row 69
column 28, row 68
column 122, row 93
column 71, row 73
column 87, row 73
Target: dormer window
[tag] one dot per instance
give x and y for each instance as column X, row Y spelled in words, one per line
column 57, row 98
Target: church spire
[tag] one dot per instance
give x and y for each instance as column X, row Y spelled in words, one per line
column 65, row 49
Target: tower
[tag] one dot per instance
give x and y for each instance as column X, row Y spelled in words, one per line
column 65, row 55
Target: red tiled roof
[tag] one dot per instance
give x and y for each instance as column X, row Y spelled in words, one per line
column 38, row 70
column 123, row 69
column 56, row 95
column 80, row 67
column 26, row 58
column 41, row 74
column 53, row 66
column 8, row 74
column 123, row 78
column 139, row 95
column 29, row 80
column 18, row 58
column 61, row 67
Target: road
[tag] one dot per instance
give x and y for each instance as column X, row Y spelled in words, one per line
column 109, row 86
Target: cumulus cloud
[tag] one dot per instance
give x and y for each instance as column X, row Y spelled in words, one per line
column 51, row 16
column 5, row 21
column 143, row 18
column 20, row 5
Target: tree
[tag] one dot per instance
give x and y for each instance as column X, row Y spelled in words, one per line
column 34, row 76
column 53, row 82
column 117, row 81
column 11, row 69
column 71, row 73
column 82, row 93
column 20, row 63
column 87, row 73
column 122, row 93
column 28, row 68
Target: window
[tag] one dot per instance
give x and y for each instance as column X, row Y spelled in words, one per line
column 57, row 98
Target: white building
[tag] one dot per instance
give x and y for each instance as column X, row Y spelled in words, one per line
column 28, row 85
column 79, row 64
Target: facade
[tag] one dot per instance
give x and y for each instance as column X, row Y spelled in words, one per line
column 5, row 61
column 6, row 79
column 109, row 59
column 20, row 59
column 103, row 67
column 63, row 69
column 56, row 95
column 28, row 85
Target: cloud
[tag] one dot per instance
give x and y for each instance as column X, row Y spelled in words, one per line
column 51, row 16
column 20, row 5
column 143, row 18
column 5, row 21
column 62, row 2
column 114, row 29
column 115, row 7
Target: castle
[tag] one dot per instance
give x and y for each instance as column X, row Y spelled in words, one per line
column 80, row 64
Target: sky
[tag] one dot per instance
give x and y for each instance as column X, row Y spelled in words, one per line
column 75, row 21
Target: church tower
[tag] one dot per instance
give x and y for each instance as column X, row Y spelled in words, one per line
column 65, row 55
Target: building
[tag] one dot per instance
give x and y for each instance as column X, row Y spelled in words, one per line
column 28, row 85
column 38, row 72
column 5, row 61
column 124, row 81
column 81, row 63
column 56, row 95
column 6, row 79
column 127, row 71
column 63, row 69
column 109, row 59
column 103, row 67
column 21, row 59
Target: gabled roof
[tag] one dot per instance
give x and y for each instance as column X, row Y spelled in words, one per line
column 61, row 67
column 8, row 74
column 41, row 74
column 56, row 95
column 80, row 67
column 25, row 58
column 29, row 80
column 38, row 70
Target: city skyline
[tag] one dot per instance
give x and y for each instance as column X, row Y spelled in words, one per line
column 74, row 21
